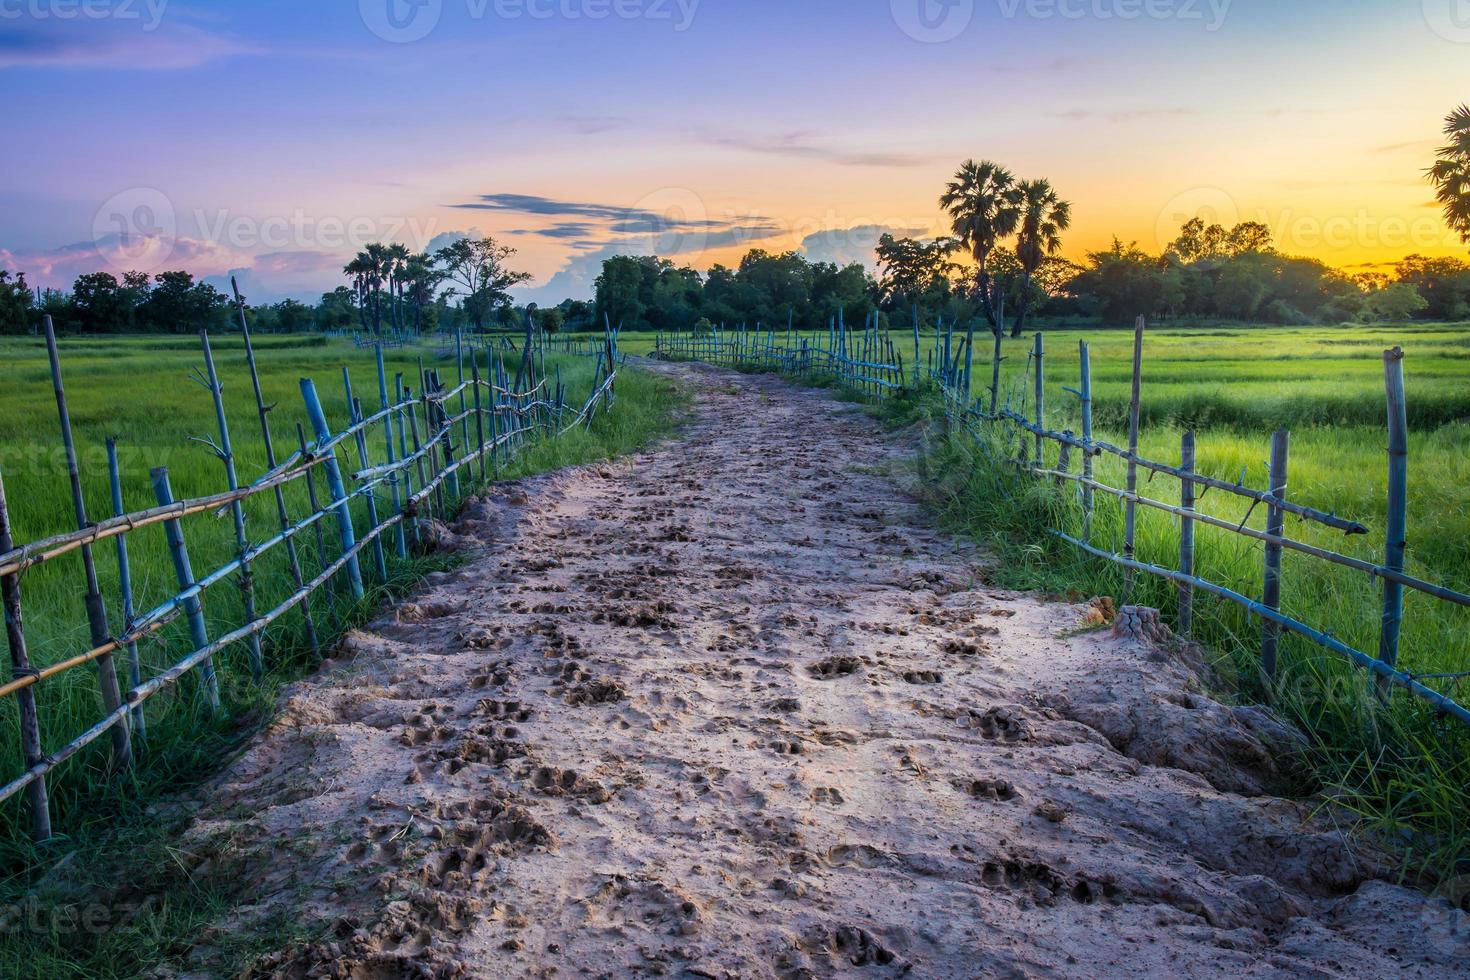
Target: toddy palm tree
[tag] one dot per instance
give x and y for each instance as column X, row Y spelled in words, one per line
column 1044, row 216
column 1451, row 173
column 984, row 207
column 359, row 269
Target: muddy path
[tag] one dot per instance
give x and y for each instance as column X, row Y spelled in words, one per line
column 732, row 709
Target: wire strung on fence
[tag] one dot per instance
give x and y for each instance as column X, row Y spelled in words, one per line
column 871, row 364
column 432, row 436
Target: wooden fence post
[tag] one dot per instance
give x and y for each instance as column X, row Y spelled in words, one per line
column 1398, row 512
column 343, row 508
column 25, row 698
column 1085, row 395
column 125, row 583
column 283, row 516
column 1186, row 535
column 1130, row 506
column 184, row 574
column 995, row 376
column 122, row 750
column 1039, row 352
column 1275, row 526
column 226, row 452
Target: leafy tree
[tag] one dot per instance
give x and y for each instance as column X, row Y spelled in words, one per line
column 1395, row 302
column 984, row 207
column 477, row 272
column 177, row 304
column 1121, row 283
column 1044, row 216
column 1444, row 284
column 100, row 305
column 337, row 309
column 1451, row 173
column 913, row 269
column 550, row 320
column 15, row 303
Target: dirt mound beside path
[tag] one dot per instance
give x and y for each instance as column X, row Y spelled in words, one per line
column 731, row 709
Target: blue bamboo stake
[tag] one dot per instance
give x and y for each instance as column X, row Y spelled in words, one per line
column 1275, row 527
column 311, row 497
column 122, row 751
column 400, row 536
column 1396, row 544
column 1186, row 535
column 345, row 532
column 1085, row 394
column 226, row 453
column 184, row 574
column 1040, row 355
column 125, row 584
column 354, row 414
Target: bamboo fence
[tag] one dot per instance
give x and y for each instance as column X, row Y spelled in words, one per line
column 870, row 362
column 435, row 440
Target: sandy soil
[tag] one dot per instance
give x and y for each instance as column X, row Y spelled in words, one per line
column 731, row 709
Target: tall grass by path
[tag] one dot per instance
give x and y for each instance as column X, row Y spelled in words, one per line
column 110, row 828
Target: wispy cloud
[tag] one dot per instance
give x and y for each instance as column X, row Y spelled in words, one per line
column 807, row 146
column 114, row 44
column 845, row 246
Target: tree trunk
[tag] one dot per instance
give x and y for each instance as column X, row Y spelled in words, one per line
column 1020, row 325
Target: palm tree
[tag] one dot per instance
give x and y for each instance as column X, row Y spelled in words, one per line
column 983, row 206
column 1044, row 216
column 396, row 260
column 1451, row 173
column 359, row 269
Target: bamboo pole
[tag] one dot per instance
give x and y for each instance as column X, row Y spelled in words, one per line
column 354, row 415
column 995, row 360
column 1186, row 535
column 125, row 583
column 1275, row 527
column 1039, row 352
column 314, row 502
column 1084, row 394
column 122, row 752
column 1130, row 516
column 335, row 486
column 399, row 535
column 226, row 452
column 1396, row 544
column 184, row 573
column 293, row 559
column 20, row 666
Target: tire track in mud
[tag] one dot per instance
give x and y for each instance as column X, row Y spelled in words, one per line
column 730, row 708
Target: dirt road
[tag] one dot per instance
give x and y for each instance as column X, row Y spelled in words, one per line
column 731, row 709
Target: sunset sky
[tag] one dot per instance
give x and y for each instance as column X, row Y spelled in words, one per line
column 273, row 138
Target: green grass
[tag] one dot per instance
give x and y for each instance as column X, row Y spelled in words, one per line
column 1404, row 770
column 110, row 829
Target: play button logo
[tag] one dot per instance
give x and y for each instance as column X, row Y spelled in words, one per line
column 933, row 21
column 1450, row 19
column 401, row 21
